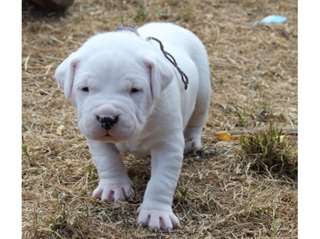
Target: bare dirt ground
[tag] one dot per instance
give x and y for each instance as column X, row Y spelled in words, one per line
column 254, row 71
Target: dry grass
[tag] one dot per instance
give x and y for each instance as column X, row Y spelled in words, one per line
column 255, row 75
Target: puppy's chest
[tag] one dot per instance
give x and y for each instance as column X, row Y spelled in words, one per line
column 138, row 148
column 142, row 144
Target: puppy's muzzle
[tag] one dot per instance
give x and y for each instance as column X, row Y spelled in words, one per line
column 107, row 122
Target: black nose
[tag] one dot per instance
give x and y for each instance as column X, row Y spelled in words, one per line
column 107, row 122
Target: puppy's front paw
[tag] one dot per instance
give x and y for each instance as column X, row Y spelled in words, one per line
column 113, row 190
column 158, row 219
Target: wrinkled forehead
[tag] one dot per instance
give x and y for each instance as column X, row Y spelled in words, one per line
column 112, row 65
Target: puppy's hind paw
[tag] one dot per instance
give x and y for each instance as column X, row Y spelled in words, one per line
column 192, row 145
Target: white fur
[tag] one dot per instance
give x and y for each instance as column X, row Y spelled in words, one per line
column 163, row 119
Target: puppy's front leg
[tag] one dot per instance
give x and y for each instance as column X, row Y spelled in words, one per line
column 114, row 184
column 166, row 161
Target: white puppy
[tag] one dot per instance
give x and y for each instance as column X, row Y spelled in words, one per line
column 131, row 98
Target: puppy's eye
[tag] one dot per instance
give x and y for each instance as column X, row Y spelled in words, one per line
column 85, row 89
column 135, row 90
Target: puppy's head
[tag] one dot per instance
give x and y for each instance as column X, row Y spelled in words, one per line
column 114, row 91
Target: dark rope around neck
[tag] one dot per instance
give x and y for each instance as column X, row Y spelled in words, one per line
column 173, row 61
column 166, row 54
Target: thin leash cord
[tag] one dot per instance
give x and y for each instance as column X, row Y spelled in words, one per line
column 166, row 54
column 173, row 61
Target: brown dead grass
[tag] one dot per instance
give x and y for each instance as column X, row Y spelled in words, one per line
column 255, row 74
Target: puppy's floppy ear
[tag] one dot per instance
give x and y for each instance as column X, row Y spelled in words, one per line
column 65, row 72
column 161, row 73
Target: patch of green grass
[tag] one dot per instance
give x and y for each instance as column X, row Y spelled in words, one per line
column 270, row 152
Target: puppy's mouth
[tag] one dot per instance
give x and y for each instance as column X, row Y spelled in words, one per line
column 107, row 137
column 122, row 131
column 110, row 136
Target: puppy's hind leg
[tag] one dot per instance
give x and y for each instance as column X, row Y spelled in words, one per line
column 193, row 130
column 192, row 137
